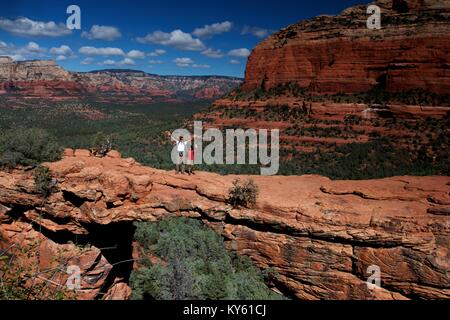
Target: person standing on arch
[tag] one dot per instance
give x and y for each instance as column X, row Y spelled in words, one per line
column 191, row 158
column 181, row 149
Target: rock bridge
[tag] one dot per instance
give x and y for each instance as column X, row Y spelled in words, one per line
column 319, row 236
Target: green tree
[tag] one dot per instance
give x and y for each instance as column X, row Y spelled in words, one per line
column 196, row 265
column 43, row 182
column 27, row 147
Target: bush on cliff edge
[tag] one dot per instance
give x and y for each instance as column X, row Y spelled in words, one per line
column 243, row 194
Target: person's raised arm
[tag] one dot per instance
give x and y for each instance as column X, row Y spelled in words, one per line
column 191, row 139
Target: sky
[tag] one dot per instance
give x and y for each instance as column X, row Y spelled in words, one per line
column 195, row 37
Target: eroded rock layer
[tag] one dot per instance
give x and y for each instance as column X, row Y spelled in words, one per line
column 317, row 235
column 332, row 54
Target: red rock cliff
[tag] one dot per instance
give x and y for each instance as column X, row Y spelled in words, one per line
column 320, row 236
column 330, row 54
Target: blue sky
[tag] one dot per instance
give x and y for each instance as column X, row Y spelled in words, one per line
column 163, row 37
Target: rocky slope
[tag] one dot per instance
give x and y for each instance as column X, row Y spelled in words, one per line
column 312, row 125
column 330, row 54
column 318, row 235
column 45, row 79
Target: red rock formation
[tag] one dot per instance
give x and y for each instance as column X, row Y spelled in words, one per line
column 332, row 55
column 209, row 93
column 325, row 125
column 319, row 236
column 53, row 259
column 340, row 54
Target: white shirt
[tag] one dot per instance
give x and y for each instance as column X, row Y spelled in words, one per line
column 181, row 146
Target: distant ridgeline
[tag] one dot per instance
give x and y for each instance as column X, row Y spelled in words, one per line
column 46, row 80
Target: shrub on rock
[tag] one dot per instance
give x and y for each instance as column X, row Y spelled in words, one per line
column 243, row 194
column 43, row 181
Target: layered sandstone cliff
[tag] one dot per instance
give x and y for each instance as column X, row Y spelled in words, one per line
column 32, row 70
column 332, row 54
column 319, row 236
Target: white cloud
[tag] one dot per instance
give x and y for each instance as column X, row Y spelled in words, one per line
column 183, row 62
column 62, row 50
column 62, row 53
column 87, row 61
column 203, row 66
column 211, row 53
column 157, row 53
column 124, row 62
column 211, row 30
column 127, row 61
column 233, row 61
column 106, row 33
column 34, row 47
column 239, row 53
column 188, row 62
column 108, row 51
column 176, row 39
column 93, row 51
column 156, row 62
column 256, row 31
column 136, row 54
column 31, row 51
column 29, row 28
column 109, row 62
column 17, row 57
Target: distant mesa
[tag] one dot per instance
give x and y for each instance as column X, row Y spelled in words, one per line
column 6, row 60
